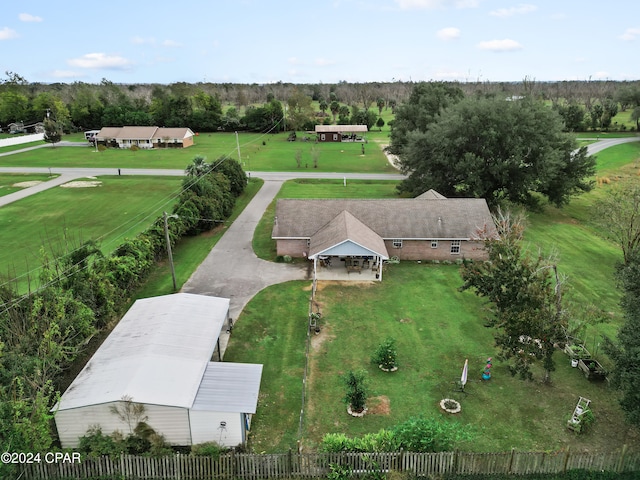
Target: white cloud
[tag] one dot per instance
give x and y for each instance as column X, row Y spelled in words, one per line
column 601, row 75
column 449, row 33
column 630, row 34
column 100, row 60
column 431, row 4
column 506, row 45
column 521, row 9
column 27, row 17
column 323, row 62
column 6, row 33
column 171, row 44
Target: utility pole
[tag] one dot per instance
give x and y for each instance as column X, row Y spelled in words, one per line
column 169, row 253
column 238, row 145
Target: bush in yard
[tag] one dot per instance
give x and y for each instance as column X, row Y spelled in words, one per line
column 356, row 395
column 382, row 441
column 386, row 354
column 420, row 434
column 208, row 449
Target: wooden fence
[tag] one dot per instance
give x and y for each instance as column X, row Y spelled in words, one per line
column 318, row 465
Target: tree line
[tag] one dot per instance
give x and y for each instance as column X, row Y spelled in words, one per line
column 280, row 106
column 79, row 294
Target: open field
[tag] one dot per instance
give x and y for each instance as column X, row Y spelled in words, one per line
column 258, row 152
column 61, row 218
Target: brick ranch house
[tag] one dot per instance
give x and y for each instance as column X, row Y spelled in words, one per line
column 363, row 233
column 145, row 137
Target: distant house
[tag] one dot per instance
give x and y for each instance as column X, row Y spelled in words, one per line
column 341, row 133
column 145, row 137
column 16, row 127
column 358, row 235
column 159, row 356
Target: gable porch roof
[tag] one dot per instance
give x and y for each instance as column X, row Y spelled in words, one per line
column 343, row 229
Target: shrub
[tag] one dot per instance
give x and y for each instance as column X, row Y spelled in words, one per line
column 386, row 354
column 356, row 395
column 420, row 434
column 208, row 449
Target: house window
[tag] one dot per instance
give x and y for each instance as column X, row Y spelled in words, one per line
column 308, row 242
column 434, row 243
column 335, row 137
column 397, row 243
column 322, row 137
column 455, row 247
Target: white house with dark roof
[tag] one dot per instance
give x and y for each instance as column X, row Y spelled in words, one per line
column 357, row 235
column 160, row 356
column 145, row 137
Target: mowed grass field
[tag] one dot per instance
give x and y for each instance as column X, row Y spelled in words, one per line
column 61, row 218
column 436, row 328
column 258, row 152
column 9, row 180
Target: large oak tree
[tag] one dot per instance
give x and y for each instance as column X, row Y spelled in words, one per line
column 496, row 149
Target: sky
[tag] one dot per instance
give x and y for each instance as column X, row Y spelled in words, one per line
column 321, row 41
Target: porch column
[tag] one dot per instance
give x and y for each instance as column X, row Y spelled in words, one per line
column 380, row 268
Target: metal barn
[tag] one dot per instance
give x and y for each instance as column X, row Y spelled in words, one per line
column 160, row 356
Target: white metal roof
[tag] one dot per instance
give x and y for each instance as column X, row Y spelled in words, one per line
column 156, row 354
column 229, row 387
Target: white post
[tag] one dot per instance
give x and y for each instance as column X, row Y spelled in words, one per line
column 345, row 181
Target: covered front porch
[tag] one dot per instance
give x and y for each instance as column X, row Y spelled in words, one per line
column 348, row 268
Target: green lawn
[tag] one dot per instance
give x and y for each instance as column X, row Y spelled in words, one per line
column 436, row 328
column 259, row 153
column 61, row 218
column 8, row 180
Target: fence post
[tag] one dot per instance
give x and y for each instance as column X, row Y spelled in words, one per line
column 513, row 451
column 621, row 459
column 455, row 461
column 289, row 464
column 566, row 460
column 233, row 463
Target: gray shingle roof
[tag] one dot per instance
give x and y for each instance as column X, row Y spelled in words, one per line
column 451, row 218
column 345, row 227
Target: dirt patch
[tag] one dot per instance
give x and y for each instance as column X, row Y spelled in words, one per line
column 379, row 405
column 317, row 339
column 347, row 283
column 82, row 184
column 32, row 183
column 405, row 320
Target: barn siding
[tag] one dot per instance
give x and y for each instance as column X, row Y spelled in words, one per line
column 172, row 422
column 205, row 427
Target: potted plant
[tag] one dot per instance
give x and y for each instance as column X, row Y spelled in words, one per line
column 386, row 355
